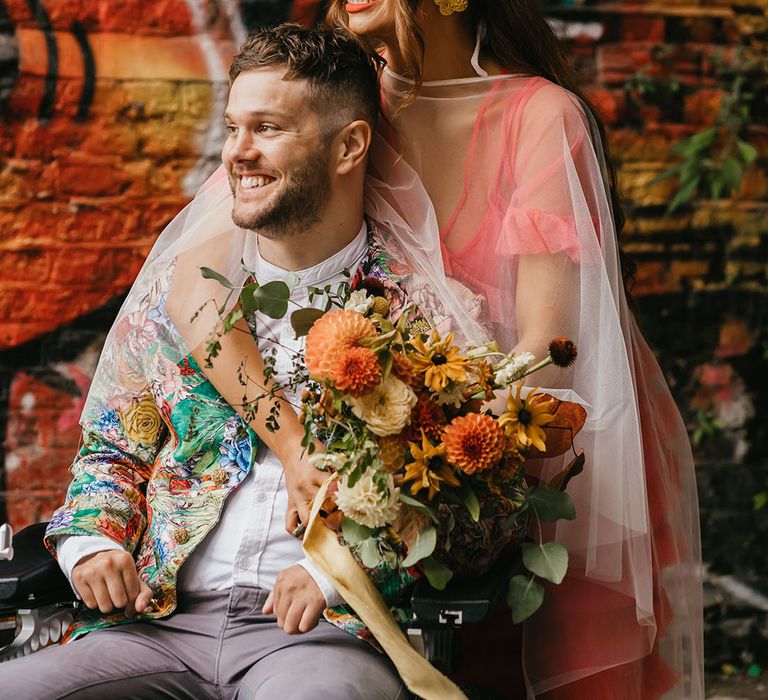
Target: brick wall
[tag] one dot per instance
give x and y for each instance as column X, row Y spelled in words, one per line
column 110, row 120
column 110, row 117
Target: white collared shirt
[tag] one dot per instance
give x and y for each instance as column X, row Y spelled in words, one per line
column 250, row 546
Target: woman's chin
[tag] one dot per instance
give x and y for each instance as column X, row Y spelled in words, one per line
column 374, row 21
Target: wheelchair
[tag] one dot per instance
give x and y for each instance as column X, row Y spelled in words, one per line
column 37, row 603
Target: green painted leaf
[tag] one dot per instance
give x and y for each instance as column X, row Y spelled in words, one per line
column 272, row 298
column 524, row 597
column 684, row 194
column 731, row 173
column 422, row 547
column 550, row 505
column 437, row 574
column 303, row 319
column 355, row 532
column 548, row 560
column 747, row 151
column 210, row 274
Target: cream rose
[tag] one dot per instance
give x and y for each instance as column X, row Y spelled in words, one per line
column 142, row 421
column 359, row 301
column 387, row 409
column 366, row 504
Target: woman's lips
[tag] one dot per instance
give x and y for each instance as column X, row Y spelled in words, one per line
column 355, row 7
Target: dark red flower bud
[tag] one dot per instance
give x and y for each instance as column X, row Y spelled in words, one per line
column 563, row 352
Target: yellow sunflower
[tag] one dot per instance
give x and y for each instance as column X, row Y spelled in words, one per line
column 440, row 360
column 524, row 419
column 429, row 468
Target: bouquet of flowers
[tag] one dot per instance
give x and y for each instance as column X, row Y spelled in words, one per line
column 427, row 477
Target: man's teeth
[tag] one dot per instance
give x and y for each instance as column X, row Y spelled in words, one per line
column 248, row 183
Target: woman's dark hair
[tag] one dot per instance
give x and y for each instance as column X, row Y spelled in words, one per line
column 519, row 39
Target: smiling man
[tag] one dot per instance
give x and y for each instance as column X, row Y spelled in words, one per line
column 170, row 474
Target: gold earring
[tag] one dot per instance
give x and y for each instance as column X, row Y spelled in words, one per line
column 448, row 7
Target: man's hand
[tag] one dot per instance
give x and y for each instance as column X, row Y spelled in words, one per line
column 109, row 580
column 302, row 479
column 295, row 600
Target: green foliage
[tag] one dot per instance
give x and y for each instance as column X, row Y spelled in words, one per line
column 524, row 597
column 423, row 546
column 550, row 505
column 707, row 426
column 437, row 574
column 712, row 162
column 548, row 560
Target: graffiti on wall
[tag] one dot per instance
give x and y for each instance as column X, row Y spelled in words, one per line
column 110, row 116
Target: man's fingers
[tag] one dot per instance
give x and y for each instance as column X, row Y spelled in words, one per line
column 268, row 608
column 131, row 585
column 293, row 618
column 101, row 593
column 310, row 618
column 291, row 520
column 144, row 598
column 86, row 594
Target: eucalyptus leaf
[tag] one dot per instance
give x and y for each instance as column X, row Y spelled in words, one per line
column 684, row 194
column 524, row 597
column 550, row 505
column 249, row 304
column 354, row 532
column 422, row 547
column 272, row 298
column 437, row 574
column 303, row 319
column 548, row 560
column 210, row 274
column 732, row 172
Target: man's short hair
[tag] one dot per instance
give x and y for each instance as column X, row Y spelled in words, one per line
column 342, row 74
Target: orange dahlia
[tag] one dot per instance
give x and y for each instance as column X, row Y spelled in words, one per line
column 474, row 442
column 403, row 368
column 330, row 335
column 429, row 416
column 356, row 371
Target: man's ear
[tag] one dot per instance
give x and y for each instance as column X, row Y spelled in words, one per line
column 352, row 144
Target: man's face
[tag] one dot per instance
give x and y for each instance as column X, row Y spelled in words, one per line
column 276, row 155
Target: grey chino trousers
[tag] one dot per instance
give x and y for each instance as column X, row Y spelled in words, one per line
column 216, row 646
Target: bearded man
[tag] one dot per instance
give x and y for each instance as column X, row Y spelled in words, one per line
column 173, row 533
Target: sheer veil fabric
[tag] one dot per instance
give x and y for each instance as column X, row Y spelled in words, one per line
column 494, row 183
column 502, row 173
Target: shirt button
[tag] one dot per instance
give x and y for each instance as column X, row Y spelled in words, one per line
column 262, row 497
column 245, row 564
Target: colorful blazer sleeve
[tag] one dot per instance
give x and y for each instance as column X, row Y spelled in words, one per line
column 107, row 492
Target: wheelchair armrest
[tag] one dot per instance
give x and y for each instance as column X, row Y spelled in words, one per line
column 33, row 577
column 464, row 601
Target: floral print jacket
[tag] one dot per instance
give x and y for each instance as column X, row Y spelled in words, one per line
column 157, row 465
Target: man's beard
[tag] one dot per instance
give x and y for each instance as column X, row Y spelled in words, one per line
column 298, row 205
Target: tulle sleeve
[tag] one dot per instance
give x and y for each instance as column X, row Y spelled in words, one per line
column 534, row 233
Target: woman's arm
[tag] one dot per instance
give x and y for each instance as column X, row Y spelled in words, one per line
column 239, row 350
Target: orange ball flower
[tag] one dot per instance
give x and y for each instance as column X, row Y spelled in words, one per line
column 429, row 416
column 330, row 335
column 474, row 442
column 356, row 371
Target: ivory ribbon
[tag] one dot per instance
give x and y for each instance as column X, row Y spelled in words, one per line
column 322, row 546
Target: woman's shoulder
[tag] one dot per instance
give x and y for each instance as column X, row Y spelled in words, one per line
column 547, row 101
